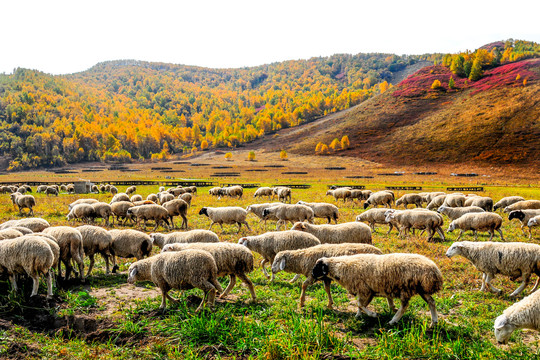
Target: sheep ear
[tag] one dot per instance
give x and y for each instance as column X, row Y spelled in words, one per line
column 282, row 264
column 133, row 272
column 500, row 322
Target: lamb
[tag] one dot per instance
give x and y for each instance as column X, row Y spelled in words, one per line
column 51, row 190
column 507, row 201
column 156, row 213
column 23, row 201
column 136, row 197
column 264, row 191
column 152, row 197
column 535, row 221
column 177, row 207
column 193, row 236
column 524, row 216
column 288, row 212
column 97, row 240
column 130, row 243
column 84, row 212
column 436, row 202
column 323, row 210
column 258, row 209
column 478, row 222
column 483, row 202
column 187, row 197
column 182, row 270
column 119, row 209
column 454, row 200
column 71, row 248
column 384, row 198
column 32, row 256
column 82, row 201
column 375, row 216
column 231, row 259
column 351, row 232
column 454, row 213
column 392, row 276
column 523, row 205
column 410, row 199
column 119, row 197
column 102, row 210
column 340, row 193
column 131, row 190
column 520, row 315
column 302, row 261
column 270, row 243
column 513, row 259
column 226, row 215
column 417, row 219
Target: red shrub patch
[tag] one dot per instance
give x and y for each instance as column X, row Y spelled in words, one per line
column 505, row 75
column 420, row 82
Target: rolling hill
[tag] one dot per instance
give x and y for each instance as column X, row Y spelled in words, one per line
column 495, row 120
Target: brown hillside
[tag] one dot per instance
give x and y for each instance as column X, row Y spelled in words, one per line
column 492, row 121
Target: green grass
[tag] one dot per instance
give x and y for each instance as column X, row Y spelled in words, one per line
column 273, row 327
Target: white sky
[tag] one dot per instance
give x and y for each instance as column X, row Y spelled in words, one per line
column 70, row 36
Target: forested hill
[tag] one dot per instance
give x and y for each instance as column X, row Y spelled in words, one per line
column 123, row 110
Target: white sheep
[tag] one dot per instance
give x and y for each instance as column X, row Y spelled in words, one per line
column 523, row 205
column 198, row 235
column 454, row 200
column 289, row 212
column 416, row 219
column 392, row 276
column 457, row 212
column 524, row 216
column 23, row 201
column 351, row 232
column 323, row 210
column 483, row 202
column 258, row 209
column 264, row 191
column 384, row 198
column 130, row 243
column 340, row 193
column 521, row 315
column 71, row 248
column 226, row 215
column 97, row 240
column 507, row 201
column 513, row 259
column 436, row 202
column 410, row 199
column 478, row 222
column 375, row 216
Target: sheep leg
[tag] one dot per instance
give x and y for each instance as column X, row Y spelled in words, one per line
column 13, row 281
column 209, row 294
column 491, row 233
column 522, row 230
column 263, row 262
column 305, row 284
column 401, row 311
column 91, row 266
column 247, row 225
column 431, row 303
column 502, row 237
column 489, row 277
column 391, row 304
column 390, row 227
column 164, row 295
column 327, row 283
column 212, row 224
column 441, row 233
column 535, row 285
column 362, row 306
column 526, row 278
column 229, row 287
column 476, row 235
column 239, row 227
column 249, row 284
column 459, row 236
column 293, row 280
column 184, row 222
column 35, row 284
column 67, row 265
column 483, row 287
column 49, row 285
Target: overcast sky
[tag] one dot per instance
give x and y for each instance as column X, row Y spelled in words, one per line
column 70, row 36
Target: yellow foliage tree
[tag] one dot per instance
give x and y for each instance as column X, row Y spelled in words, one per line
column 334, row 144
column 251, row 156
column 436, row 84
column 345, row 142
column 318, row 147
column 524, row 82
column 204, row 145
column 518, row 77
column 324, row 149
column 383, row 86
column 228, row 156
column 283, row 155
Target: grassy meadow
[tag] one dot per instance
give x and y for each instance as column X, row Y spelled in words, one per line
column 107, row 318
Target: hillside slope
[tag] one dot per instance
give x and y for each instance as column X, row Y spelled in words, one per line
column 495, row 120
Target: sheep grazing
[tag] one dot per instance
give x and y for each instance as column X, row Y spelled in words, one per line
column 264, row 191
column 152, row 197
column 71, row 248
column 31, row 256
column 184, row 270
column 119, row 209
column 163, row 197
column 428, row 197
column 288, row 212
column 102, row 210
column 232, row 191
column 323, row 210
column 392, row 276
column 351, row 232
column 417, row 219
column 215, row 191
column 507, row 201
column 84, row 212
column 177, row 207
column 375, row 216
column 23, row 201
column 154, row 212
column 193, row 236
column 258, row 209
column 454, row 200
column 51, row 190
column 483, row 202
column 523, row 205
column 383, row 198
column 524, row 216
column 513, row 259
column 82, row 201
column 131, row 190
column 113, row 190
column 130, row 243
column 102, row 188
column 454, row 213
column 410, row 199
column 231, row 259
column 136, row 197
column 340, row 193
column 302, row 261
column 226, row 215
column 436, row 202
column 521, row 315
column 270, row 243
column 41, row 188
column 187, row 197
column 119, row 197
column 97, row 240
column 477, row 222
column 283, row 193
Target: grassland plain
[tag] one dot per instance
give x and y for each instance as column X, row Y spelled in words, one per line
column 107, row 318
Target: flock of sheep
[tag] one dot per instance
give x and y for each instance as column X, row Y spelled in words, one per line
column 328, row 252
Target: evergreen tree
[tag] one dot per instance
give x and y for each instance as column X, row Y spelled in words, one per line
column 476, row 70
column 451, row 83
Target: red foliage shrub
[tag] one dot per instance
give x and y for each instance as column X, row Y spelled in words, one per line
column 505, row 75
